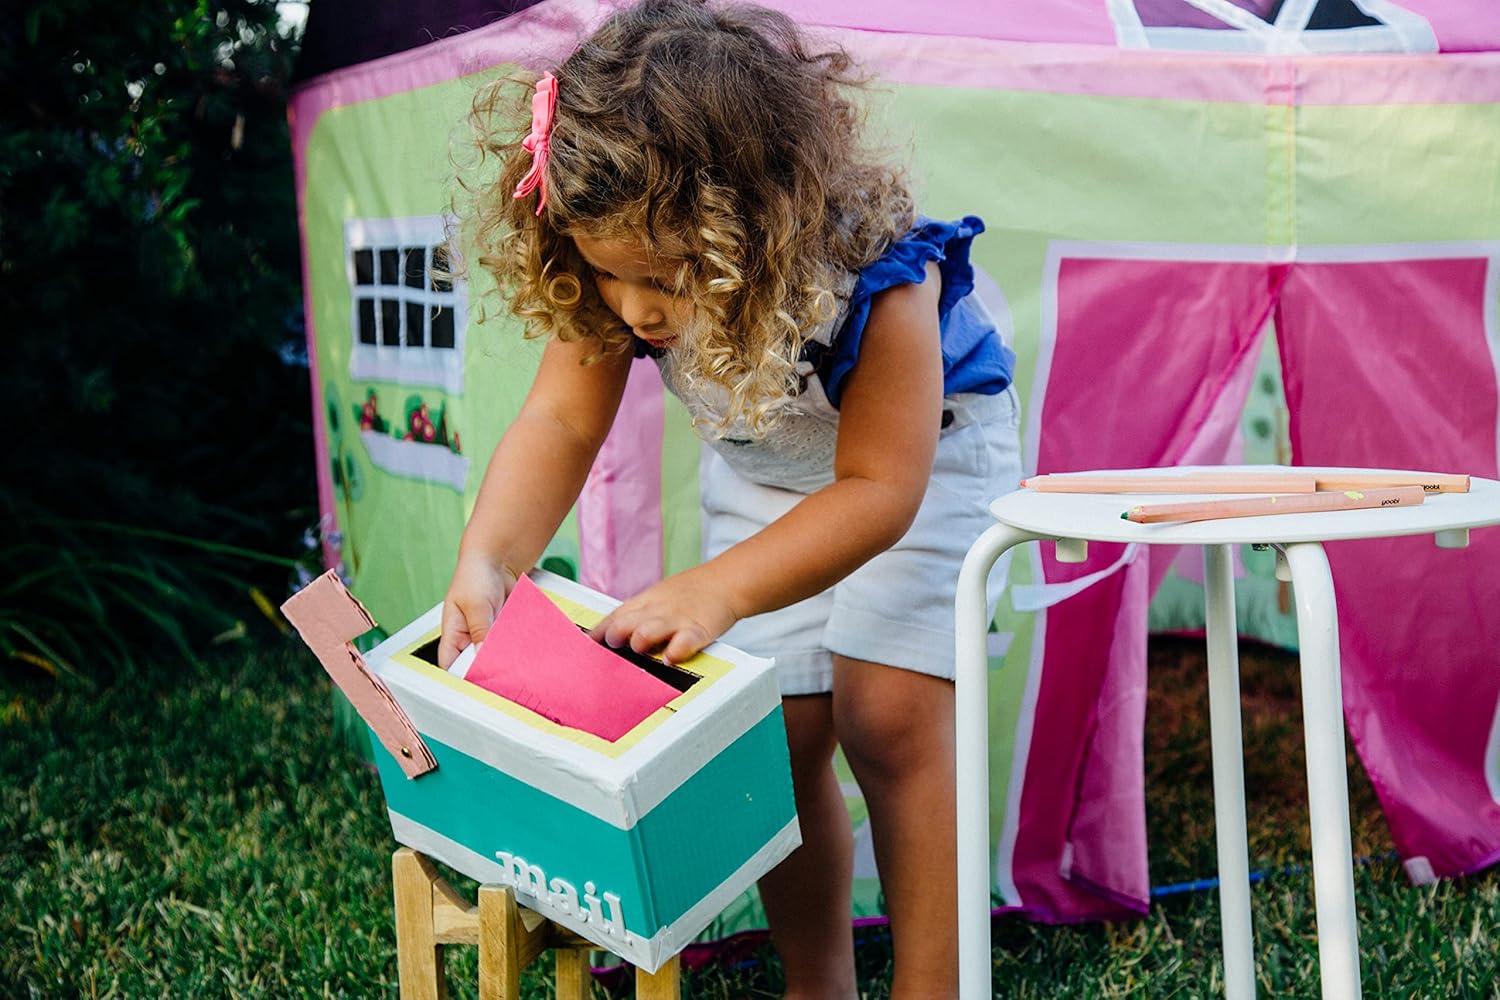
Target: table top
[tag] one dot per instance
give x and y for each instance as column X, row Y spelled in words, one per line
column 1096, row 517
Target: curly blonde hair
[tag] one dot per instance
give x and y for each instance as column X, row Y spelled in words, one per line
column 719, row 137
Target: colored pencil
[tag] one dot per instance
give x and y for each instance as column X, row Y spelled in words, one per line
column 1272, row 482
column 1294, row 503
column 1230, row 482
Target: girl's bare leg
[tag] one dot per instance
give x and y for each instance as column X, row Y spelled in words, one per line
column 896, row 727
column 807, row 895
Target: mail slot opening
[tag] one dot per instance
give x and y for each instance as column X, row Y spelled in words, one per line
column 674, row 677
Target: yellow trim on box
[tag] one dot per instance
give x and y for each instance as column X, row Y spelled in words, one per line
column 709, row 668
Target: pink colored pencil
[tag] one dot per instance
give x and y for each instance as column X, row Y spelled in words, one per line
column 1257, row 482
column 1294, row 503
column 1197, row 482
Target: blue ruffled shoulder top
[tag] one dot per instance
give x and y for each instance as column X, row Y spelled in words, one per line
column 975, row 358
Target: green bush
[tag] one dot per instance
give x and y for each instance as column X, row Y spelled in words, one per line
column 149, row 271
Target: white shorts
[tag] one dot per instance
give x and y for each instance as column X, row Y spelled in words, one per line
column 896, row 609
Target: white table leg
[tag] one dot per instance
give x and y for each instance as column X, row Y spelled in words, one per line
column 1327, row 775
column 1229, row 774
column 972, row 746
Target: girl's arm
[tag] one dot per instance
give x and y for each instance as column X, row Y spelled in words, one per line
column 533, row 478
column 888, row 430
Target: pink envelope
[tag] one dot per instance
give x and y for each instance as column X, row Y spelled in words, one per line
column 537, row 657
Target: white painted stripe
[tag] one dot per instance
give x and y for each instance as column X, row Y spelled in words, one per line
column 1248, row 253
column 647, row 953
column 1005, row 848
column 1207, row 40
column 433, row 463
column 1491, row 761
column 1376, row 252
column 1412, row 29
column 1367, row 39
column 1232, row 15
column 1492, row 325
column 1036, row 596
column 1046, row 345
column 1492, row 756
column 1129, row 32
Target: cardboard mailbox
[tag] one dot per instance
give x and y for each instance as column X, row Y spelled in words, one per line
column 635, row 844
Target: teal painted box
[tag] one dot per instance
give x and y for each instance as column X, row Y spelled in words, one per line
column 635, row 845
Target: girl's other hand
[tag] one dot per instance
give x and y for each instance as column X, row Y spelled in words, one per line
column 678, row 616
column 480, row 585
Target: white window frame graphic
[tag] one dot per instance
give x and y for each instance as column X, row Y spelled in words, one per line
column 1401, row 30
column 406, row 364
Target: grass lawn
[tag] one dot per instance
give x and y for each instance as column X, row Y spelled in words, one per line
column 197, row 835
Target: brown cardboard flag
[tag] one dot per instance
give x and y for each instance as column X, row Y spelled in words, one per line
column 328, row 617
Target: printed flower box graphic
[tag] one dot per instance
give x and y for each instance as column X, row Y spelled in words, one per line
column 418, row 448
column 433, row 463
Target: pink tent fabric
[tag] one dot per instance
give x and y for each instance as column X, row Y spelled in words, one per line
column 1081, row 854
column 1376, row 374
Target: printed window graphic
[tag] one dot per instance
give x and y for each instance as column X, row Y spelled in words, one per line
column 1271, row 26
column 407, row 322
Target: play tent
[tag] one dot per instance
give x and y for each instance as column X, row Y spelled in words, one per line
column 1217, row 231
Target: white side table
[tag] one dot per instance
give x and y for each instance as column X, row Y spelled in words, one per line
column 1073, row 520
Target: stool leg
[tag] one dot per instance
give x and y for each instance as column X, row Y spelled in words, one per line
column 419, row 958
column 972, row 723
column 572, row 973
column 499, row 944
column 1327, row 773
column 664, row 984
column 1229, row 774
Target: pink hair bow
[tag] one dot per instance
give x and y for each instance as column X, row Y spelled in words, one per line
column 539, row 142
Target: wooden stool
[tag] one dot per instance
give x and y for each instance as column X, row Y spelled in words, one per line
column 430, row 914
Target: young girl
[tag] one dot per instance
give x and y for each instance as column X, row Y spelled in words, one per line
column 694, row 189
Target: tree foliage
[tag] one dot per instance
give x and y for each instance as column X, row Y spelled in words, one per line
column 149, row 277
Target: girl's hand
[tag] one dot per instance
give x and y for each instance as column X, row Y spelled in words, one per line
column 679, row 616
column 480, row 585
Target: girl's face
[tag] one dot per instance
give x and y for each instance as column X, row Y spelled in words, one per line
column 637, row 288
